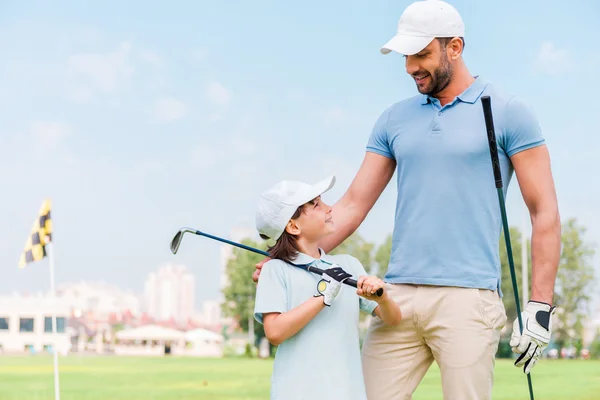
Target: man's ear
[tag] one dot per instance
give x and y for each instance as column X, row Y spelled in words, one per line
column 292, row 228
column 455, row 48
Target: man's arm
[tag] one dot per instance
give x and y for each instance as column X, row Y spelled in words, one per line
column 533, row 171
column 351, row 210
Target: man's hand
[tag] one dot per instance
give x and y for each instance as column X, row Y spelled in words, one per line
column 368, row 286
column 537, row 329
column 330, row 284
column 258, row 267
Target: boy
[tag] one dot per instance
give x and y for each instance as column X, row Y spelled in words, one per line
column 313, row 319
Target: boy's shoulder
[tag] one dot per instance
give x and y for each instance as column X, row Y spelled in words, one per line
column 275, row 265
column 277, row 268
column 347, row 261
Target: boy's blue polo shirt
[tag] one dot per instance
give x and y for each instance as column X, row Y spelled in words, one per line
column 448, row 221
column 323, row 360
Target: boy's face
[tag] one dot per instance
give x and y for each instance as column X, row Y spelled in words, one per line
column 315, row 220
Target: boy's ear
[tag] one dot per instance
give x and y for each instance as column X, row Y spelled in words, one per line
column 292, row 228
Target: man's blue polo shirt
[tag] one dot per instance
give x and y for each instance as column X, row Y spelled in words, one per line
column 448, row 221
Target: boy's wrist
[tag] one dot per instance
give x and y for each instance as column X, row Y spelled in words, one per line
column 383, row 300
column 320, row 301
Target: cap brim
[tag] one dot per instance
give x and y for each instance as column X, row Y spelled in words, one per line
column 406, row 45
column 315, row 190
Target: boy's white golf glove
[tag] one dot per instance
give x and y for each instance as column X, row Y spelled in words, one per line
column 537, row 329
column 330, row 284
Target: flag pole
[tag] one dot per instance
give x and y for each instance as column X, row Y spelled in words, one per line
column 50, row 251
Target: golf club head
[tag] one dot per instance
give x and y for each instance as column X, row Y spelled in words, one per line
column 178, row 238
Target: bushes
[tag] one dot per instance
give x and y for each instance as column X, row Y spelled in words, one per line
column 504, row 350
column 595, row 346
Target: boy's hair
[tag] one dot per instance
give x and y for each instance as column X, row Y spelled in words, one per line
column 285, row 247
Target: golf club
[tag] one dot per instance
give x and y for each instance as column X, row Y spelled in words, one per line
column 491, row 134
column 179, row 237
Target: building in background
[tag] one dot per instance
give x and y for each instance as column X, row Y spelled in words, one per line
column 169, row 294
column 26, row 324
column 99, row 299
column 211, row 313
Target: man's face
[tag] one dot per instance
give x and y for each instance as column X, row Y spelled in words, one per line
column 430, row 68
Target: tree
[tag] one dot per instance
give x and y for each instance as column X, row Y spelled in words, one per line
column 595, row 346
column 359, row 248
column 382, row 256
column 573, row 284
column 240, row 290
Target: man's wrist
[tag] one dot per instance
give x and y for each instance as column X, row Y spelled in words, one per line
column 541, row 300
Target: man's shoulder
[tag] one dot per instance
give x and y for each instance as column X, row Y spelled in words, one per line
column 504, row 98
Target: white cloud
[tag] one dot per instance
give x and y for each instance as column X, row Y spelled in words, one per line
column 334, row 116
column 152, row 58
column 101, row 72
column 218, row 94
column 233, row 149
column 46, row 137
column 146, row 168
column 198, row 54
column 552, row 60
column 204, row 156
column 296, row 95
column 169, row 109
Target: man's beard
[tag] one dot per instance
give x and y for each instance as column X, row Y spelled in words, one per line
column 440, row 78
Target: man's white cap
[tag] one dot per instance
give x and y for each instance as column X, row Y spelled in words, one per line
column 420, row 23
column 278, row 204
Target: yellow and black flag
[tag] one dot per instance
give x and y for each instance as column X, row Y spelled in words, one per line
column 35, row 248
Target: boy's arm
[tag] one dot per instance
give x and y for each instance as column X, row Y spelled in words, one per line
column 386, row 307
column 281, row 326
column 281, row 323
column 388, row 310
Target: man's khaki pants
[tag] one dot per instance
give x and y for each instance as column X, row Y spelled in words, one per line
column 459, row 328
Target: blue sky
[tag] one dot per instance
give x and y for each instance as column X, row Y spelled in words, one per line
column 139, row 118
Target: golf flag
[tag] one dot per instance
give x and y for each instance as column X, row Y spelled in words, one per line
column 35, row 248
column 39, row 245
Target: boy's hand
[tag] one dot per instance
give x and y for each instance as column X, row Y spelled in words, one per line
column 328, row 288
column 368, row 286
column 331, row 283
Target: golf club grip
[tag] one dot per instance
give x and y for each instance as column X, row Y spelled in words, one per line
column 491, row 134
column 349, row 281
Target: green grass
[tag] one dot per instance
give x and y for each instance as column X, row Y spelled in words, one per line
column 131, row 378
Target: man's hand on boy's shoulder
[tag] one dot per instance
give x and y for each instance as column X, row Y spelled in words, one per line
column 367, row 286
column 258, row 267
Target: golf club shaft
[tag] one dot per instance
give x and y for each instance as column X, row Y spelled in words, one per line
column 349, row 281
column 491, row 134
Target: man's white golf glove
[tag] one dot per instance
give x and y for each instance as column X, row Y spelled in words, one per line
column 537, row 329
column 330, row 284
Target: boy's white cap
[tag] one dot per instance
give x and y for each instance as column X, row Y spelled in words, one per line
column 278, row 204
column 420, row 23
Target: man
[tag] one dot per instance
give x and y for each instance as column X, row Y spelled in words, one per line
column 444, row 269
